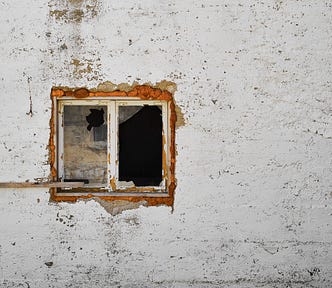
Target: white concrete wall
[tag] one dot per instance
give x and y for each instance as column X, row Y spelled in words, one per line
column 253, row 202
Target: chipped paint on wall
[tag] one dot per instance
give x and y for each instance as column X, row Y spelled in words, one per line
column 118, row 206
column 86, row 68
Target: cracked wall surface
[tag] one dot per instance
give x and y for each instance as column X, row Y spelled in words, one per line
column 253, row 200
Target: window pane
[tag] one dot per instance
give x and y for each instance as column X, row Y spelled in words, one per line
column 140, row 145
column 85, row 144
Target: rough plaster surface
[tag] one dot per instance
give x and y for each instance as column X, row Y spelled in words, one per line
column 253, row 201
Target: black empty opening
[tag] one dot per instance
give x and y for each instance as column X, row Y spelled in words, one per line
column 140, row 147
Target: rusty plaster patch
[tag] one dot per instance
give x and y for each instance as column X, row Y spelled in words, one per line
column 166, row 85
column 109, row 86
column 118, row 206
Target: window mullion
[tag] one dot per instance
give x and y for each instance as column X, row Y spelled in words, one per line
column 60, row 142
column 166, row 133
column 112, row 144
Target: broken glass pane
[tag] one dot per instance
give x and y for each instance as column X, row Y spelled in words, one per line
column 85, row 150
column 140, row 145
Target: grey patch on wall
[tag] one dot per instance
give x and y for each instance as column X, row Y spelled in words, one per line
column 118, row 206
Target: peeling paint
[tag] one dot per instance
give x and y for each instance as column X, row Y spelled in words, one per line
column 180, row 121
column 81, row 68
column 118, row 206
column 108, row 86
column 166, row 85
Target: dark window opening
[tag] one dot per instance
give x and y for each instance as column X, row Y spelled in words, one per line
column 140, row 145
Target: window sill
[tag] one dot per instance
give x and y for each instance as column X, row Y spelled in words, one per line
column 151, row 198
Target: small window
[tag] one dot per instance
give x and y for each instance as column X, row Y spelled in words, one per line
column 118, row 147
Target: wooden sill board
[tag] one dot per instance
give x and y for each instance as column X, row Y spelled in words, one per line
column 41, row 184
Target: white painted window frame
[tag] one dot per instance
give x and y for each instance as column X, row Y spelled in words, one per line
column 113, row 104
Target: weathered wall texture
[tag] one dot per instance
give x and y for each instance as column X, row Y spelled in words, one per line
column 253, row 201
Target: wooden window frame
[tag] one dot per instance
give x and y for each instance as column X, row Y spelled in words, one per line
column 140, row 95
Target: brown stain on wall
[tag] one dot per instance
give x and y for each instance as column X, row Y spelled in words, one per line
column 74, row 11
column 59, row 14
column 76, row 15
column 81, row 68
column 160, row 91
column 75, row 2
column 66, row 15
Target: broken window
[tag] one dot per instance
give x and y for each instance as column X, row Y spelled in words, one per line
column 140, row 145
column 118, row 148
column 135, row 142
column 84, row 158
